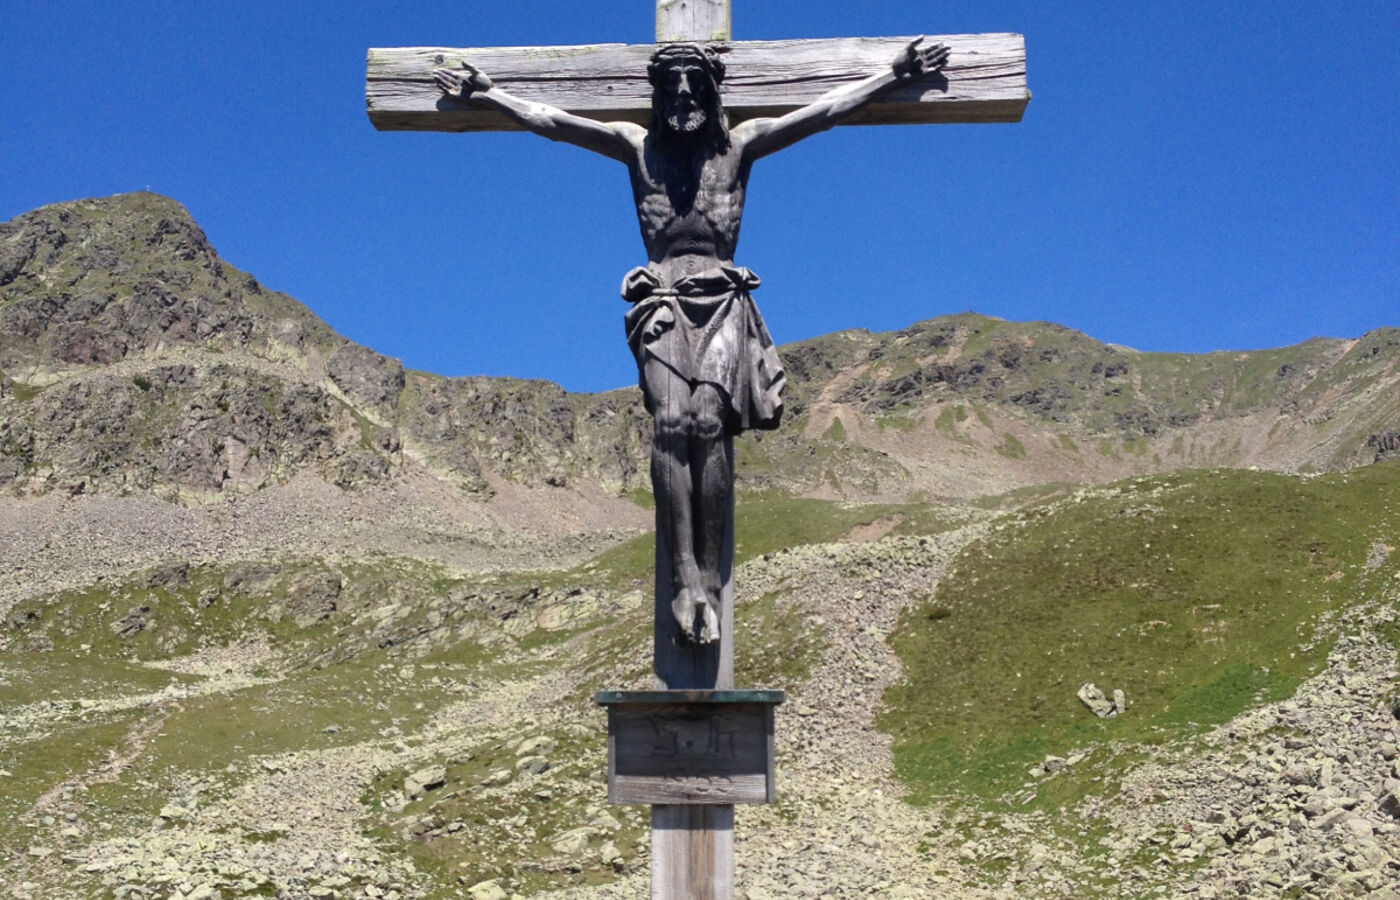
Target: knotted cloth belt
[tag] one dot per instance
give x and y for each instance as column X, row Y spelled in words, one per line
column 706, row 329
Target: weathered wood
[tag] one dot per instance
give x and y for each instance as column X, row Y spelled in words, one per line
column 675, row 752
column 984, row 81
column 692, row 20
column 692, row 847
column 679, row 667
column 692, row 852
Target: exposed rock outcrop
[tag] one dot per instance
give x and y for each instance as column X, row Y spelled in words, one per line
column 100, row 296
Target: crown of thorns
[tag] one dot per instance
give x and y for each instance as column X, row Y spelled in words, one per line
column 697, row 53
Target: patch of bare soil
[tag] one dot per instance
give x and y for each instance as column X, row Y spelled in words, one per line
column 872, row 531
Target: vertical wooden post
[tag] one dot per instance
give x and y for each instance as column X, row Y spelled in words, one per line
column 692, row 852
column 692, row 847
column 692, row 20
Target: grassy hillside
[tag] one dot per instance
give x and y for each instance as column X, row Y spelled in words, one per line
column 1196, row 594
column 194, row 716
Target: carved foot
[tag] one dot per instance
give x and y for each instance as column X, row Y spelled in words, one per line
column 709, row 629
column 684, row 607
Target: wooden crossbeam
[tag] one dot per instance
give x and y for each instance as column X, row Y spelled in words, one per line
column 984, row 81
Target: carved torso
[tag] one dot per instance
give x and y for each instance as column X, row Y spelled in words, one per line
column 690, row 201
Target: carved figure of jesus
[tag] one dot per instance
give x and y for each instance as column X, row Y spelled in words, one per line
column 707, row 365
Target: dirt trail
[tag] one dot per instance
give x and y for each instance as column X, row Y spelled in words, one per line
column 56, row 816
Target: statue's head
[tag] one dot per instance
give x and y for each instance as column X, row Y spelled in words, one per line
column 685, row 100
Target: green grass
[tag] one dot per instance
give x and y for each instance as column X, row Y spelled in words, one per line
column 982, row 331
column 762, row 524
column 25, row 392
column 36, row 677
column 629, row 564
column 309, row 609
column 898, row 422
column 495, row 836
column 780, row 646
column 1195, row 594
column 1024, row 496
column 1011, row 447
column 342, row 669
column 38, row 764
column 359, row 698
column 363, row 699
column 949, row 418
column 766, row 526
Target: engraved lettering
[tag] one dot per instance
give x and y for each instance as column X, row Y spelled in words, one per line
column 668, row 740
column 721, row 743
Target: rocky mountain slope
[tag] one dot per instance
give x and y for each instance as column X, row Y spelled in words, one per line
column 132, row 359
column 281, row 618
column 374, row 726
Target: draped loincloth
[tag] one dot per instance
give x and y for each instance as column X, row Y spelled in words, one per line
column 706, row 329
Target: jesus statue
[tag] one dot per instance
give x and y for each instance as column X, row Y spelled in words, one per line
column 707, row 365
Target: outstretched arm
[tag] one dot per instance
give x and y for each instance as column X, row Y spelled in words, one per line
column 764, row 136
column 612, row 139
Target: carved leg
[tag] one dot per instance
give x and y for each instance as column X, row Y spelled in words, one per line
column 714, row 483
column 673, row 483
column 670, row 481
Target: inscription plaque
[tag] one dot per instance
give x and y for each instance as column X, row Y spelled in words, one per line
column 691, row 747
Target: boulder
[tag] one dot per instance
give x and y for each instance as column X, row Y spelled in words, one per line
column 419, row 783
column 532, row 765
column 1090, row 695
column 540, row 745
column 487, row 890
column 573, row 842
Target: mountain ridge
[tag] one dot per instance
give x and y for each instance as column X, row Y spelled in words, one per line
column 128, row 287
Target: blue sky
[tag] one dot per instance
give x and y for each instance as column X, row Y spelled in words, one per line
column 1189, row 176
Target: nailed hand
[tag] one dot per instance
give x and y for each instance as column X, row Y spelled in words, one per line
column 461, row 85
column 917, row 62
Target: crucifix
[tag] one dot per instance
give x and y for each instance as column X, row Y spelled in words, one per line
column 688, row 117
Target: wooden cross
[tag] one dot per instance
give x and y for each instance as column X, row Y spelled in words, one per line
column 984, row 80
column 715, row 744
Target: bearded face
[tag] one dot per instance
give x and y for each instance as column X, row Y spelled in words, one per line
column 685, row 91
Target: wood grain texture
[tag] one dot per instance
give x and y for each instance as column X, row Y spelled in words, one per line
column 692, row 853
column 691, row 753
column 749, row 789
column 692, row 20
column 984, row 81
